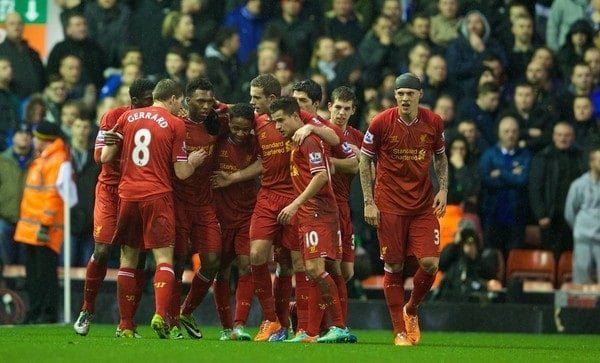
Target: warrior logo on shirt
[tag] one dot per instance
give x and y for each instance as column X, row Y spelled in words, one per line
column 368, row 139
column 315, row 158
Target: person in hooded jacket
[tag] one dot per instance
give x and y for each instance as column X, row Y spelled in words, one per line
column 465, row 54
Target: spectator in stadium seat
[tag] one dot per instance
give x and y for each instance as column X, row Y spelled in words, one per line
column 206, row 16
column 445, row 24
column 297, row 33
column 591, row 57
column 563, row 13
column 196, row 67
column 521, row 46
column 222, row 64
column 107, row 21
column 483, row 110
column 55, row 95
column 9, row 103
column 580, row 84
column 445, row 106
column 581, row 213
column 552, row 171
column 378, row 53
column 77, row 42
column 86, row 172
column 463, row 188
column 344, row 20
column 583, row 121
column 579, row 38
column 249, row 22
column 535, row 128
column 465, row 54
column 79, row 87
column 29, row 74
column 178, row 31
column 504, row 170
column 476, row 144
column 13, row 163
column 436, row 81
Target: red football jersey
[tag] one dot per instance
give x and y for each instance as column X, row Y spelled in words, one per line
column 195, row 191
column 403, row 155
column 153, row 139
column 110, row 172
column 306, row 160
column 275, row 155
column 342, row 181
column 234, row 204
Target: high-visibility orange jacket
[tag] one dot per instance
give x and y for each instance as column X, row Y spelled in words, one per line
column 42, row 205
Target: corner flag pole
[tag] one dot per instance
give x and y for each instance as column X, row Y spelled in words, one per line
column 67, row 252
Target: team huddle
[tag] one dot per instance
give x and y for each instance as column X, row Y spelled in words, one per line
column 179, row 173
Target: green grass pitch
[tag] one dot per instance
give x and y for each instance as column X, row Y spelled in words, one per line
column 60, row 344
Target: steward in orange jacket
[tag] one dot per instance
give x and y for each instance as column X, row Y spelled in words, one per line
column 40, row 224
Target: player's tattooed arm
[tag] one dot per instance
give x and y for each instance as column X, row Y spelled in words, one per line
column 440, row 163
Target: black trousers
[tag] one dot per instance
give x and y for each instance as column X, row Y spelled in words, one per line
column 42, row 285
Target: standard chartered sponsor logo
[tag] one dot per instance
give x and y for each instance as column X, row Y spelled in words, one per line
column 408, row 154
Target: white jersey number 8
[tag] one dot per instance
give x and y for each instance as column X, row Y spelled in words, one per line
column 141, row 154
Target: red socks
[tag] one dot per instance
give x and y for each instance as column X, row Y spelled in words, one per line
column 263, row 289
column 393, row 289
column 94, row 276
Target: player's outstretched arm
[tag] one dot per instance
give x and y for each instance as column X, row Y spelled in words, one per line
column 345, row 166
column 222, row 179
column 325, row 133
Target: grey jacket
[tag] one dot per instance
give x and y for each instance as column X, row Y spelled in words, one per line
column 582, row 208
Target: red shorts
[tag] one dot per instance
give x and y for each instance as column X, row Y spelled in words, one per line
column 347, row 232
column 197, row 231
column 146, row 224
column 320, row 238
column 234, row 242
column 106, row 208
column 264, row 225
column 414, row 235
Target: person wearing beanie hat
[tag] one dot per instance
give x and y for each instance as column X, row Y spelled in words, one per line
column 47, row 131
column 404, row 208
column 40, row 226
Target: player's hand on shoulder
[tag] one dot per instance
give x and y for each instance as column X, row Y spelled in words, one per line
column 197, row 157
column 301, row 134
column 183, row 112
column 112, row 137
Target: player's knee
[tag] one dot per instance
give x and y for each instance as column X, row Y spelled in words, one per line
column 394, row 268
column 429, row 265
column 285, row 270
column 347, row 275
column 102, row 253
column 257, row 257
